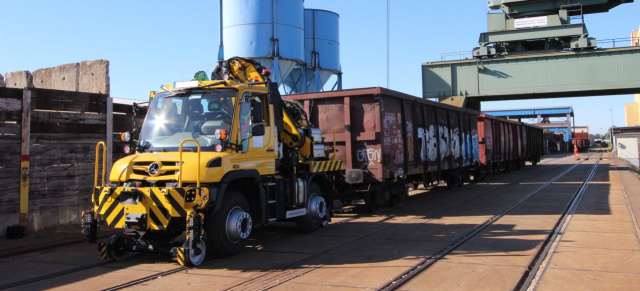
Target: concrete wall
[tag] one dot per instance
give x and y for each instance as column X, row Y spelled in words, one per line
column 19, row 79
column 86, row 76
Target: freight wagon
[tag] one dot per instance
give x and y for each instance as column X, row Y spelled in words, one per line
column 581, row 143
column 388, row 140
column 506, row 145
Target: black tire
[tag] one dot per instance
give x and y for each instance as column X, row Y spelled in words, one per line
column 228, row 230
column 117, row 247
column 317, row 211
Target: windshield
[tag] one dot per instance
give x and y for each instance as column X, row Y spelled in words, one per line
column 174, row 117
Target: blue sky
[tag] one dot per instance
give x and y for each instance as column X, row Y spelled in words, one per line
column 149, row 43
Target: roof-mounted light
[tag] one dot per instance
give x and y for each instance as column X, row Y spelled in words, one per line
column 185, row 84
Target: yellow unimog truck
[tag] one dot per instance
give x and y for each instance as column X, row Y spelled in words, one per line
column 214, row 159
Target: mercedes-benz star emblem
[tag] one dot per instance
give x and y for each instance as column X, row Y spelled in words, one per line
column 154, row 169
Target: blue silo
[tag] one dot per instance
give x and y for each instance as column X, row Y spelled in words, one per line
column 270, row 31
column 321, row 52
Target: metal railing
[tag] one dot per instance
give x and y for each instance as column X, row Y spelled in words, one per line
column 619, row 42
column 104, row 163
column 197, row 165
column 456, row 55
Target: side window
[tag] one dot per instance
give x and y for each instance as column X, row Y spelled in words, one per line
column 245, row 125
column 258, row 112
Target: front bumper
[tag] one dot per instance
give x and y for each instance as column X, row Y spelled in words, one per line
column 147, row 208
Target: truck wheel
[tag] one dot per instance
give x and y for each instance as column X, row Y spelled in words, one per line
column 228, row 230
column 317, row 212
column 117, row 247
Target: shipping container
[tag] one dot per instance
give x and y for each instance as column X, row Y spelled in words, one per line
column 388, row 139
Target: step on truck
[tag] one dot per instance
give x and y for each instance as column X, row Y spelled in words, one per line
column 214, row 159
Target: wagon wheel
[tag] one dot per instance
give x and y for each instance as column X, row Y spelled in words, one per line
column 370, row 201
column 415, row 185
column 459, row 179
column 450, row 181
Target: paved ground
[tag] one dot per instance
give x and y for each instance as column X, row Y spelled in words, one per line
column 599, row 251
column 601, row 248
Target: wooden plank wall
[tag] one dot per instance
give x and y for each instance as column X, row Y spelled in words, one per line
column 10, row 120
column 65, row 128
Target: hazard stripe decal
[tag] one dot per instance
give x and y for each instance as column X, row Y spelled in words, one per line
column 103, row 202
column 156, row 221
column 102, row 247
column 179, row 208
column 180, row 256
column 117, row 219
column 111, row 208
column 326, row 166
column 160, row 206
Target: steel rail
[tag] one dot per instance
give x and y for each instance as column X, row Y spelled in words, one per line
column 276, row 278
column 273, row 279
column 182, row 268
column 283, row 277
column 540, row 261
column 424, row 264
column 53, row 275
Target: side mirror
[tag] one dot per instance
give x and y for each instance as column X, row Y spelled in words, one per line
column 257, row 130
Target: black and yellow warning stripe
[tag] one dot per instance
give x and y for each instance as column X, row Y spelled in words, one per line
column 325, row 166
column 160, row 205
column 180, row 256
column 102, row 248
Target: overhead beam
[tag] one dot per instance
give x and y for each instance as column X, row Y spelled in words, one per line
column 543, row 75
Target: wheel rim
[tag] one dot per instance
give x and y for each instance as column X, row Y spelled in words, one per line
column 317, row 207
column 238, row 225
column 197, row 253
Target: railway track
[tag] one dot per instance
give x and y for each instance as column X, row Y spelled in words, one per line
column 537, row 265
column 278, row 277
column 150, row 277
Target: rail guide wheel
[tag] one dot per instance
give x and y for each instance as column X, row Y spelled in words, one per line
column 194, row 249
column 192, row 254
column 118, row 247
